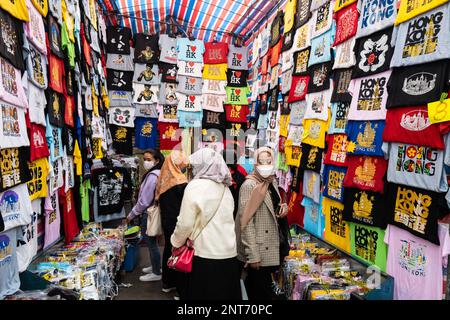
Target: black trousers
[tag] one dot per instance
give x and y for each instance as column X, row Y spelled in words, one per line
column 259, row 283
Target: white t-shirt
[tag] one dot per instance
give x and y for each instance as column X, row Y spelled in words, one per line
column 56, row 177
column 213, row 102
column 190, row 68
column 322, row 19
column 302, row 38
column 345, row 56
column 214, row 86
column 145, row 94
column 15, row 206
column 34, row 28
column 189, row 103
column 168, row 46
column 122, row 116
column 27, row 247
column 317, row 105
column 13, row 129
column 37, row 104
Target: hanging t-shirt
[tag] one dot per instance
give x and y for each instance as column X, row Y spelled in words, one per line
column 366, row 173
column 286, row 83
column 311, row 185
column 293, row 155
column 67, row 202
column 317, row 105
column 190, row 50
column 237, row 58
column 412, row 125
column 170, row 135
column 118, row 40
column 146, row 110
column 122, row 116
column 34, row 28
column 345, row 55
column 369, row 97
column 191, row 103
column 9, row 269
column 37, row 186
column 11, row 88
column 216, row 52
column 337, row 150
column 69, row 108
column 289, row 15
column 321, row 49
column 275, row 53
column 54, row 140
column 416, row 210
column 15, row 207
column 346, row 23
column 416, row 264
column 11, row 35
column 341, row 83
column 299, row 88
column 237, row 95
column 168, row 94
column 215, row 71
column 365, row 137
column 303, row 12
column 298, row 110
column 288, row 42
column 322, row 19
column 119, row 80
column 314, row 132
column 375, row 15
column 311, row 158
column 146, row 74
column 54, row 34
column 365, row 207
column 38, row 142
column 13, row 131
column 55, row 108
column 417, row 85
column 339, row 112
column 313, row 221
column 275, row 32
column 68, row 138
column 168, row 72
column 37, row 68
column 146, row 94
column 189, row 85
column 417, row 166
column 52, row 219
column 333, row 180
column 122, row 139
column 337, row 231
column 119, row 98
column 14, row 167
column 367, row 243
column 168, row 47
column 194, row 69
column 320, row 78
column 168, row 113
column 236, row 113
column 28, row 245
column 188, row 119
column 423, row 38
column 302, row 38
column 301, row 59
column 146, row 133
column 237, row 78
column 146, row 48
column 214, row 86
column 408, row 10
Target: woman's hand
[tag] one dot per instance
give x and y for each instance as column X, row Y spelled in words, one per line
column 283, row 210
column 254, row 265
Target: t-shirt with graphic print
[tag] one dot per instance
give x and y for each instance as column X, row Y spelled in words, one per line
column 120, row 98
column 314, row 132
column 408, row 10
column 275, row 28
column 168, row 46
column 118, row 40
column 365, row 137
column 37, row 104
column 299, row 88
column 122, row 138
column 146, row 133
column 37, row 186
column 321, row 48
column 13, row 132
column 27, row 246
column 301, row 59
column 54, row 36
column 215, row 52
column 366, row 173
column 237, row 95
column 119, row 80
column 214, row 87
column 146, row 48
column 339, row 112
column 365, row 207
column 311, row 158
column 313, row 221
column 191, row 103
column 345, row 55
column 367, row 243
column 168, row 94
column 375, row 15
column 213, row 120
column 317, row 105
column 189, row 85
column 336, row 153
column 121, row 62
column 303, row 12
column 11, row 31
column 9, row 269
column 188, row 119
column 341, row 84
column 236, row 113
column 146, row 74
column 346, row 23
column 145, row 93
column 190, row 50
column 55, row 108
column 215, row 71
column 213, row 102
column 54, row 140
column 52, row 219
column 302, row 38
column 122, row 116
column 14, row 167
column 168, row 72
column 320, row 78
column 15, row 207
column 238, row 58
column 11, row 88
column 167, row 113
column 34, row 28
column 237, row 78
column 322, row 19
column 190, row 68
column 333, row 180
column 337, row 231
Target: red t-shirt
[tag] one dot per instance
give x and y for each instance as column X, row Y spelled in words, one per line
column 169, row 136
column 235, row 113
column 264, row 64
column 56, row 76
column 86, row 47
column 69, row 109
column 365, row 173
column 215, row 52
column 296, row 212
column 337, row 150
column 346, row 23
column 299, row 87
column 412, row 125
column 38, row 142
column 275, row 52
column 67, row 204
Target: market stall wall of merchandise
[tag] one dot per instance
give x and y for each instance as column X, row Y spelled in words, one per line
column 352, row 95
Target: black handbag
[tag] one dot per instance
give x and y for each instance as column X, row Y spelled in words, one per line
column 285, row 238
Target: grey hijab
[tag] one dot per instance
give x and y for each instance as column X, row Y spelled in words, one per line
column 209, row 164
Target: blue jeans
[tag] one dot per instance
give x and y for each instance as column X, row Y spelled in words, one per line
column 153, row 249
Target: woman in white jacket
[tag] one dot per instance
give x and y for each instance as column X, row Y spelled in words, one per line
column 206, row 216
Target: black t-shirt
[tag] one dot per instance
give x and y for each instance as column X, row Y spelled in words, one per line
column 236, row 131
column 285, row 106
column 319, row 77
column 418, row 84
column 273, row 99
column 213, row 135
column 146, row 48
column 55, row 108
column 68, row 139
column 303, row 13
column 263, row 104
column 288, row 40
column 122, row 139
column 120, row 80
column 69, row 81
column 112, row 184
column 54, row 36
column 14, row 167
column 11, row 32
column 118, row 40
column 342, row 78
column 311, row 158
column 297, row 179
column 213, row 119
column 168, row 72
column 237, row 78
column 301, row 59
column 275, row 29
column 87, row 29
column 373, row 53
column 2, row 224
column 416, row 210
column 365, row 207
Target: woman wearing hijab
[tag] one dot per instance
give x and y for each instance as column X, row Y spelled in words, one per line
column 169, row 192
column 206, row 217
column 153, row 161
column 257, row 226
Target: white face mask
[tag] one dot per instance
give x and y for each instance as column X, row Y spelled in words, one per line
column 149, row 164
column 265, row 170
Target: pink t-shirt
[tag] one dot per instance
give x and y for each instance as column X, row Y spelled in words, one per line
column 11, row 87
column 52, row 219
column 416, row 264
column 369, row 96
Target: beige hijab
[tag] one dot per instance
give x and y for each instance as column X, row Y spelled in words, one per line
column 260, row 191
column 171, row 174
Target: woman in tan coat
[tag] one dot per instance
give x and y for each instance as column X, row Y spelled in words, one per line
column 257, row 226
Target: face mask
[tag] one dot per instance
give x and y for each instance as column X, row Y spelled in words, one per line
column 149, row 164
column 265, row 170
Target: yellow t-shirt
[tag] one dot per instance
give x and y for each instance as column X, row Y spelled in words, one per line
column 337, row 231
column 215, row 71
column 339, row 4
column 284, row 125
column 97, row 148
column 94, row 102
column 41, row 6
column 411, row 8
column 289, row 15
column 69, row 20
column 37, row 186
column 293, row 155
column 17, row 8
column 77, row 159
column 314, row 132
column 93, row 14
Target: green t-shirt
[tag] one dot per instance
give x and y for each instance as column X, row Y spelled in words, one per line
column 237, row 95
column 68, row 45
column 85, row 186
column 368, row 244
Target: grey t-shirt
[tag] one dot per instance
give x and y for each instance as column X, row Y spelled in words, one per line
column 123, row 62
column 237, row 58
column 298, row 110
column 190, row 85
column 146, row 74
column 168, row 46
column 311, row 185
column 120, row 98
column 9, row 269
column 167, row 94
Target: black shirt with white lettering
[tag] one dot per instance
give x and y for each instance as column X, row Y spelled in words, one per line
column 168, row 72
column 11, row 32
column 342, row 78
column 319, row 77
column 118, row 40
column 237, row 78
column 214, row 120
column 120, row 80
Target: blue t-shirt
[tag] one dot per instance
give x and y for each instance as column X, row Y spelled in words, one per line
column 313, row 221
column 367, row 136
column 339, row 113
column 54, row 140
column 333, row 180
column 188, row 119
column 321, row 48
column 190, row 50
column 146, row 133
column 247, row 163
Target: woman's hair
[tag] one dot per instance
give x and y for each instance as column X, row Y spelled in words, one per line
column 158, row 156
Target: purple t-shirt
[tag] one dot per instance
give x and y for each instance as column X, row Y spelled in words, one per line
column 52, row 219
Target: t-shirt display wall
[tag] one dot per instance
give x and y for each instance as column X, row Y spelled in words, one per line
column 353, row 98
